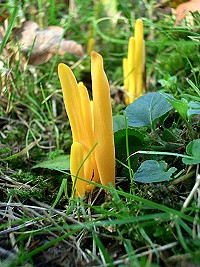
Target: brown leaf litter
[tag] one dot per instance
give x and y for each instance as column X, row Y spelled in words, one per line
column 182, row 8
column 41, row 45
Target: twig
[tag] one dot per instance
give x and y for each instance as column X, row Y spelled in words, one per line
column 11, row 234
column 145, row 253
column 196, row 226
column 194, row 190
column 14, row 182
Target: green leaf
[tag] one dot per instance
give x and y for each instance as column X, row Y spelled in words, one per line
column 135, row 141
column 152, row 171
column 193, row 149
column 169, row 82
column 194, row 87
column 60, row 192
column 194, row 108
column 9, row 28
column 180, row 105
column 118, row 123
column 59, row 163
column 146, row 109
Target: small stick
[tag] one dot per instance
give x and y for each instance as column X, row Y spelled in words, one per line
column 194, row 190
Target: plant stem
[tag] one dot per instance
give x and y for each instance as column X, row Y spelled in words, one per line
column 128, row 153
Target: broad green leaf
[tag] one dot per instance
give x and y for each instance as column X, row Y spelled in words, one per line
column 58, row 163
column 135, row 141
column 118, row 123
column 146, row 109
column 194, row 108
column 193, row 149
column 180, row 105
column 152, row 171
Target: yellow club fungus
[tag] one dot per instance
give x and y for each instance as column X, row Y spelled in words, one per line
column 133, row 65
column 104, row 151
column 91, row 123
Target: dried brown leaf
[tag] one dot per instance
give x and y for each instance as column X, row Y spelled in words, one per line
column 71, row 47
column 185, row 8
column 182, row 7
column 39, row 59
column 44, row 44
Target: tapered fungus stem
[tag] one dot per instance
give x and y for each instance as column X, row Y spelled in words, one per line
column 87, row 115
column 139, row 48
column 133, row 66
column 77, row 106
column 104, row 151
column 71, row 99
column 126, row 80
column 76, row 159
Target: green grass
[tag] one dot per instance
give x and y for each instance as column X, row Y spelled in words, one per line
column 134, row 224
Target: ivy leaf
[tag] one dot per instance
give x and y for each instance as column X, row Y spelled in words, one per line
column 59, row 163
column 146, row 109
column 193, row 149
column 152, row 171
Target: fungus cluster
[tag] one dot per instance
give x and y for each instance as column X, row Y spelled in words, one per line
column 133, row 65
column 92, row 156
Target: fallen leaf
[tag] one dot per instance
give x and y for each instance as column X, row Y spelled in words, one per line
column 185, row 8
column 182, row 7
column 44, row 44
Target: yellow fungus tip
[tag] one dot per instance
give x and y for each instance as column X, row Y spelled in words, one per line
column 94, row 55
